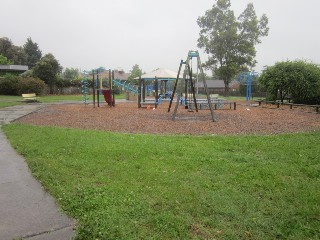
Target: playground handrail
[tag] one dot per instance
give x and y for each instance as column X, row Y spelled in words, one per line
column 125, row 85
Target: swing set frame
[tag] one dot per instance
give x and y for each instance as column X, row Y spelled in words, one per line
column 187, row 80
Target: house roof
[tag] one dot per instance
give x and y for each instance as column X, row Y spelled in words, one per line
column 13, row 68
column 121, row 75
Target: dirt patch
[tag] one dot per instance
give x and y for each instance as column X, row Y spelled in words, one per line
column 126, row 117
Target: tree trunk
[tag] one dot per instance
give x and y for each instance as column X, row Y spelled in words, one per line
column 226, row 88
column 51, row 88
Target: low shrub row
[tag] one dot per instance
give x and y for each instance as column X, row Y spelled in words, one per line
column 16, row 85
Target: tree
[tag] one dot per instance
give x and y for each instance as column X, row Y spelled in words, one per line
column 5, row 47
column 70, row 74
column 230, row 42
column 47, row 69
column 33, row 53
column 14, row 53
column 4, row 60
column 135, row 72
column 298, row 79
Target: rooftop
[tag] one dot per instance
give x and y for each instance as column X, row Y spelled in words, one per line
column 13, row 68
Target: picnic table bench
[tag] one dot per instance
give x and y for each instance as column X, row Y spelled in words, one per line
column 291, row 105
column 30, row 97
column 148, row 104
column 217, row 104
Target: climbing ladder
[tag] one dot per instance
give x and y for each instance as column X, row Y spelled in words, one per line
column 247, row 78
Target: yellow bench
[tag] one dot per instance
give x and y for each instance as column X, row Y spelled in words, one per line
column 214, row 96
column 30, row 97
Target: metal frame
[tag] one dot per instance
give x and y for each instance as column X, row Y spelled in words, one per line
column 188, row 70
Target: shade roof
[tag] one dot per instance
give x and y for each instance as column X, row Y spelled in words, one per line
column 160, row 73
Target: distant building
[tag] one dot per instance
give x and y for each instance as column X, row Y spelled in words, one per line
column 214, row 86
column 121, row 75
column 234, row 86
column 13, row 69
column 118, row 74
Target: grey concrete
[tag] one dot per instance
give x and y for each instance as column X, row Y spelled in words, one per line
column 10, row 114
column 26, row 210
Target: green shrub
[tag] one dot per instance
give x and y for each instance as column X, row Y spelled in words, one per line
column 298, row 79
column 30, row 85
column 16, row 85
column 9, row 85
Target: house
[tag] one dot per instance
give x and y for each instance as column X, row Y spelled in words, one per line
column 118, row 74
column 13, row 69
column 214, row 86
column 121, row 75
column 234, row 86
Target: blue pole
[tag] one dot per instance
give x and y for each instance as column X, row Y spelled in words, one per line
column 249, row 86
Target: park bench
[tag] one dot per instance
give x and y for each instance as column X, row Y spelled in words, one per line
column 148, row 104
column 291, row 105
column 216, row 104
column 316, row 107
column 260, row 101
column 214, row 96
column 30, row 97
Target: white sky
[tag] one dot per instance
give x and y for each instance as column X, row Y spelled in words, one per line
column 153, row 34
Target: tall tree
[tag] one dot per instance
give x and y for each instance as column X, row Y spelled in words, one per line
column 47, row 69
column 230, row 41
column 70, row 74
column 4, row 60
column 33, row 53
column 135, row 72
column 13, row 53
column 5, row 46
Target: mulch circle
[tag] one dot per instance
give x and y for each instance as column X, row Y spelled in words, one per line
column 128, row 118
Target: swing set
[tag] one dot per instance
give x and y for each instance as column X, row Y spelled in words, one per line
column 189, row 95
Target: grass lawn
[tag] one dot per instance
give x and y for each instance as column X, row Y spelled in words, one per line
column 8, row 104
column 6, row 101
column 127, row 186
column 57, row 98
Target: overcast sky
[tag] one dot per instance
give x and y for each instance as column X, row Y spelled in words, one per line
column 153, row 34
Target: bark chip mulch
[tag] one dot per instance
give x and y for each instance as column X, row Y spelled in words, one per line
column 126, row 117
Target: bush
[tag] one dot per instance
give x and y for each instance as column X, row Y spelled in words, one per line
column 30, row 85
column 13, row 85
column 298, row 79
column 9, row 85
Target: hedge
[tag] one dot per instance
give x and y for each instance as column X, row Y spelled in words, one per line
column 17, row 85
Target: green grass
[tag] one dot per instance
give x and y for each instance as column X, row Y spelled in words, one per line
column 126, row 186
column 7, row 101
column 8, row 104
column 57, row 98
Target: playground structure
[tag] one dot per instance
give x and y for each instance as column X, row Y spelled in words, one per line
column 247, row 78
column 84, row 90
column 189, row 97
column 99, row 91
column 160, row 87
column 127, row 86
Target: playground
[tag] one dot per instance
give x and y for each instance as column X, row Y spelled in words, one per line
column 126, row 117
column 189, row 116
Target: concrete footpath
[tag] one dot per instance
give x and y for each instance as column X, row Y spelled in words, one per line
column 26, row 210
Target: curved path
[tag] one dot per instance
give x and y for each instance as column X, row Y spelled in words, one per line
column 26, row 210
